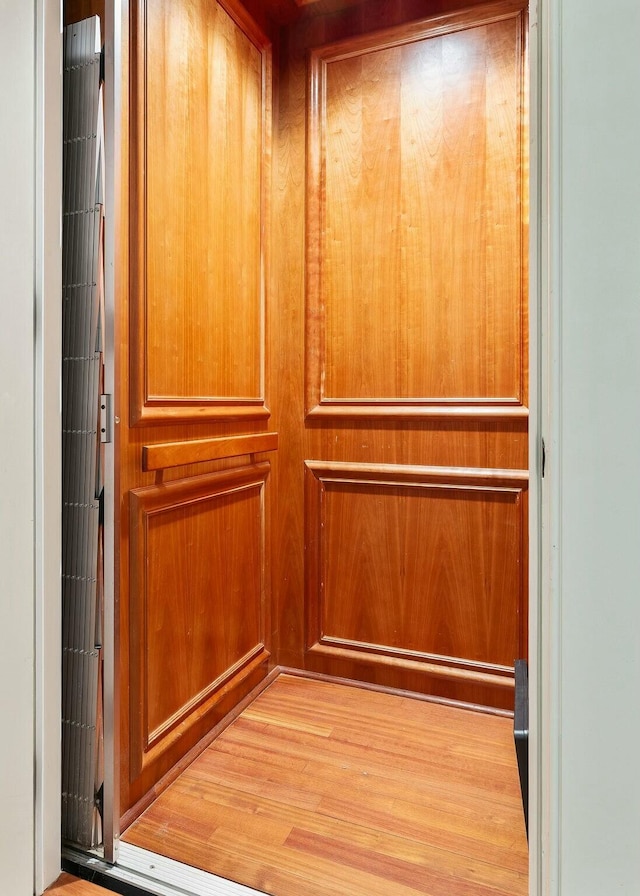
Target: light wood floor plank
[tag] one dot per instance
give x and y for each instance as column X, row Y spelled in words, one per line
column 320, row 788
column 67, row 885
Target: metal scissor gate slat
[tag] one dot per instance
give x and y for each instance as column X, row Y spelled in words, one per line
column 82, row 377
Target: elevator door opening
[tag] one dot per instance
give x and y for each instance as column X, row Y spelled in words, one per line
column 322, row 372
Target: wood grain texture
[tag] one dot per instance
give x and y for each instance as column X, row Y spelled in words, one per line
column 415, row 233
column 176, row 454
column 228, row 709
column 184, row 86
column 409, row 565
column 200, row 163
column 218, row 396
column 416, row 107
column 68, row 885
column 198, row 602
column 318, row 788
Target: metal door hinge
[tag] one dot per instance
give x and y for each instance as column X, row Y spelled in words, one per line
column 543, row 454
column 105, row 418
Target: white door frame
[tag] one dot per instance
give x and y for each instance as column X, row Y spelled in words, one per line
column 544, row 647
column 544, row 617
column 48, row 439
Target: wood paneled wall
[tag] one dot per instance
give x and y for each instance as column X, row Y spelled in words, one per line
column 201, row 125
column 371, row 308
column 400, row 362
column 191, row 407
column 414, row 255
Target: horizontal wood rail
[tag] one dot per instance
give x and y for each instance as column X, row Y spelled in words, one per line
column 507, row 409
column 408, row 474
column 197, row 451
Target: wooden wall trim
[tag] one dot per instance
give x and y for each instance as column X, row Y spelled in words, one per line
column 394, row 474
column 195, row 451
column 162, row 739
column 176, row 770
column 507, row 409
column 432, row 26
column 494, row 676
column 400, row 692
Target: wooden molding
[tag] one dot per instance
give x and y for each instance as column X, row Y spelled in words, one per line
column 429, row 408
column 494, row 676
column 432, row 26
column 195, row 451
column 176, row 770
column 207, row 410
column 394, row 474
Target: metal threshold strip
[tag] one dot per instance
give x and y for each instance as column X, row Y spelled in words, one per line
column 139, row 872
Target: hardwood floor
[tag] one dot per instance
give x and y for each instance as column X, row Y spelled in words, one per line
column 322, row 789
column 67, row 885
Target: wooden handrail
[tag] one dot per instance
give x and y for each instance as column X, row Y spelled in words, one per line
column 198, row 451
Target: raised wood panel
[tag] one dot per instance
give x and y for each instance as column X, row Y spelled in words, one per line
column 198, row 601
column 416, row 565
column 201, row 113
column 416, row 181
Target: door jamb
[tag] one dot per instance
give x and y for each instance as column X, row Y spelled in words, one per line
column 544, row 549
column 47, row 168
column 116, row 191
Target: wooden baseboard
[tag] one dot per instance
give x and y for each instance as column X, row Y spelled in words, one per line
column 384, row 689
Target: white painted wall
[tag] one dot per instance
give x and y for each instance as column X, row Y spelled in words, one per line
column 48, row 447
column 17, row 452
column 596, row 224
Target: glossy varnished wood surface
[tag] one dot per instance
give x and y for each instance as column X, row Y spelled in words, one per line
column 177, row 454
column 192, row 567
column 68, row 885
column 193, row 333
column 198, row 592
column 402, row 158
column 371, row 587
column 415, row 220
column 201, row 145
column 318, row 788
